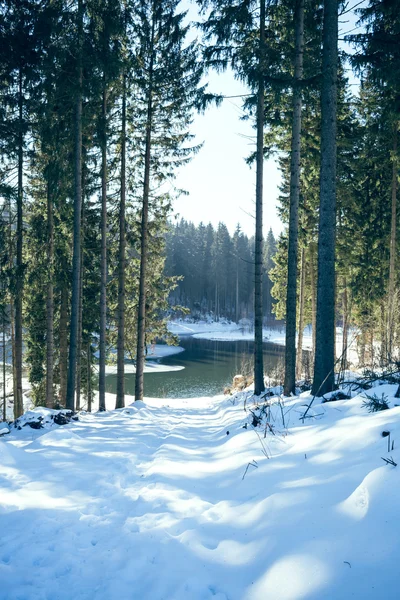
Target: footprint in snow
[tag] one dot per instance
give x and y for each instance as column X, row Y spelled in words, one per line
column 356, row 505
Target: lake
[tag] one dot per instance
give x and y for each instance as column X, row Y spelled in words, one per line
column 209, row 366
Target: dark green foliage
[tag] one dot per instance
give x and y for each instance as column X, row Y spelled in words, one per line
column 375, row 404
column 216, row 270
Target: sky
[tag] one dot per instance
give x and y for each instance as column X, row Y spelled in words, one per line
column 220, row 185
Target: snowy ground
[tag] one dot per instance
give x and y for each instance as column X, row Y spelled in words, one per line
column 155, row 352
column 153, row 502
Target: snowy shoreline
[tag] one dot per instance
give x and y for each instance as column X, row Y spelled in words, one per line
column 233, row 332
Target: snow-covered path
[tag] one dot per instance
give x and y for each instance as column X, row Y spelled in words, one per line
column 149, row 502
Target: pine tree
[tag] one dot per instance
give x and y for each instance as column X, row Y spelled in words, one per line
column 290, row 342
column 167, row 79
column 73, row 343
column 324, row 376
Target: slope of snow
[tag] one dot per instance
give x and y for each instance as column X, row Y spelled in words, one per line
column 176, row 500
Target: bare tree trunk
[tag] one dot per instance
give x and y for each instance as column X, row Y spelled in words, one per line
column 237, row 291
column 371, row 346
column 392, row 260
column 89, row 377
column 324, row 376
column 76, row 260
column 50, row 300
column 120, row 403
column 103, row 285
column 79, row 341
column 291, row 296
column 345, row 335
column 362, row 344
column 383, row 335
column 259, row 386
column 12, row 318
column 313, row 297
column 299, row 360
column 12, row 321
column 141, row 341
column 19, row 278
column 63, row 332
column 4, row 370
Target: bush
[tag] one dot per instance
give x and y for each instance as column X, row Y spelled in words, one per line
column 375, row 404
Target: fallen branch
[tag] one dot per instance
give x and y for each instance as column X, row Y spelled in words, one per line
column 254, row 464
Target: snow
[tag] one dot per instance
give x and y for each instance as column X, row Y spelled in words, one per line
column 154, row 353
column 228, row 331
column 176, row 500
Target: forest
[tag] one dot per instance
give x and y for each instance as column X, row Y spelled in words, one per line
column 97, row 99
column 280, row 482
column 215, row 271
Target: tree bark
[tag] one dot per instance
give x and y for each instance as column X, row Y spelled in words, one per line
column 141, row 341
column 80, row 324
column 383, row 354
column 103, row 284
column 392, row 260
column 120, row 402
column 12, row 316
column 19, row 278
column 89, row 377
column 291, row 295
column 313, row 297
column 324, row 375
column 50, row 300
column 345, row 326
column 259, row 386
column 4, row 369
column 299, row 360
column 76, row 259
column 63, row 333
column 237, row 291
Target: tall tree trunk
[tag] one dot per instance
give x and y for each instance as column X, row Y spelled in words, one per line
column 299, row 360
column 4, row 370
column 361, row 346
column 50, row 300
column 345, row 325
column 371, row 347
column 392, row 260
column 120, row 403
column 76, row 259
column 12, row 316
column 89, row 377
column 19, row 278
column 237, row 291
column 383, row 328
column 291, row 294
column 141, row 341
column 12, row 322
column 324, row 375
column 63, row 333
column 313, row 297
column 80, row 325
column 103, row 285
column 258, row 253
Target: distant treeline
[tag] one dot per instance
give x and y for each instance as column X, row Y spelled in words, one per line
column 216, row 270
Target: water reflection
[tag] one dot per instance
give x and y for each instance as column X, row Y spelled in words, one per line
column 209, row 366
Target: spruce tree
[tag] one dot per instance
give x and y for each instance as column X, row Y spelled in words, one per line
column 324, row 375
column 167, row 75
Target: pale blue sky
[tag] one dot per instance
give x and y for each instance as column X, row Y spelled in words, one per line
column 221, row 185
